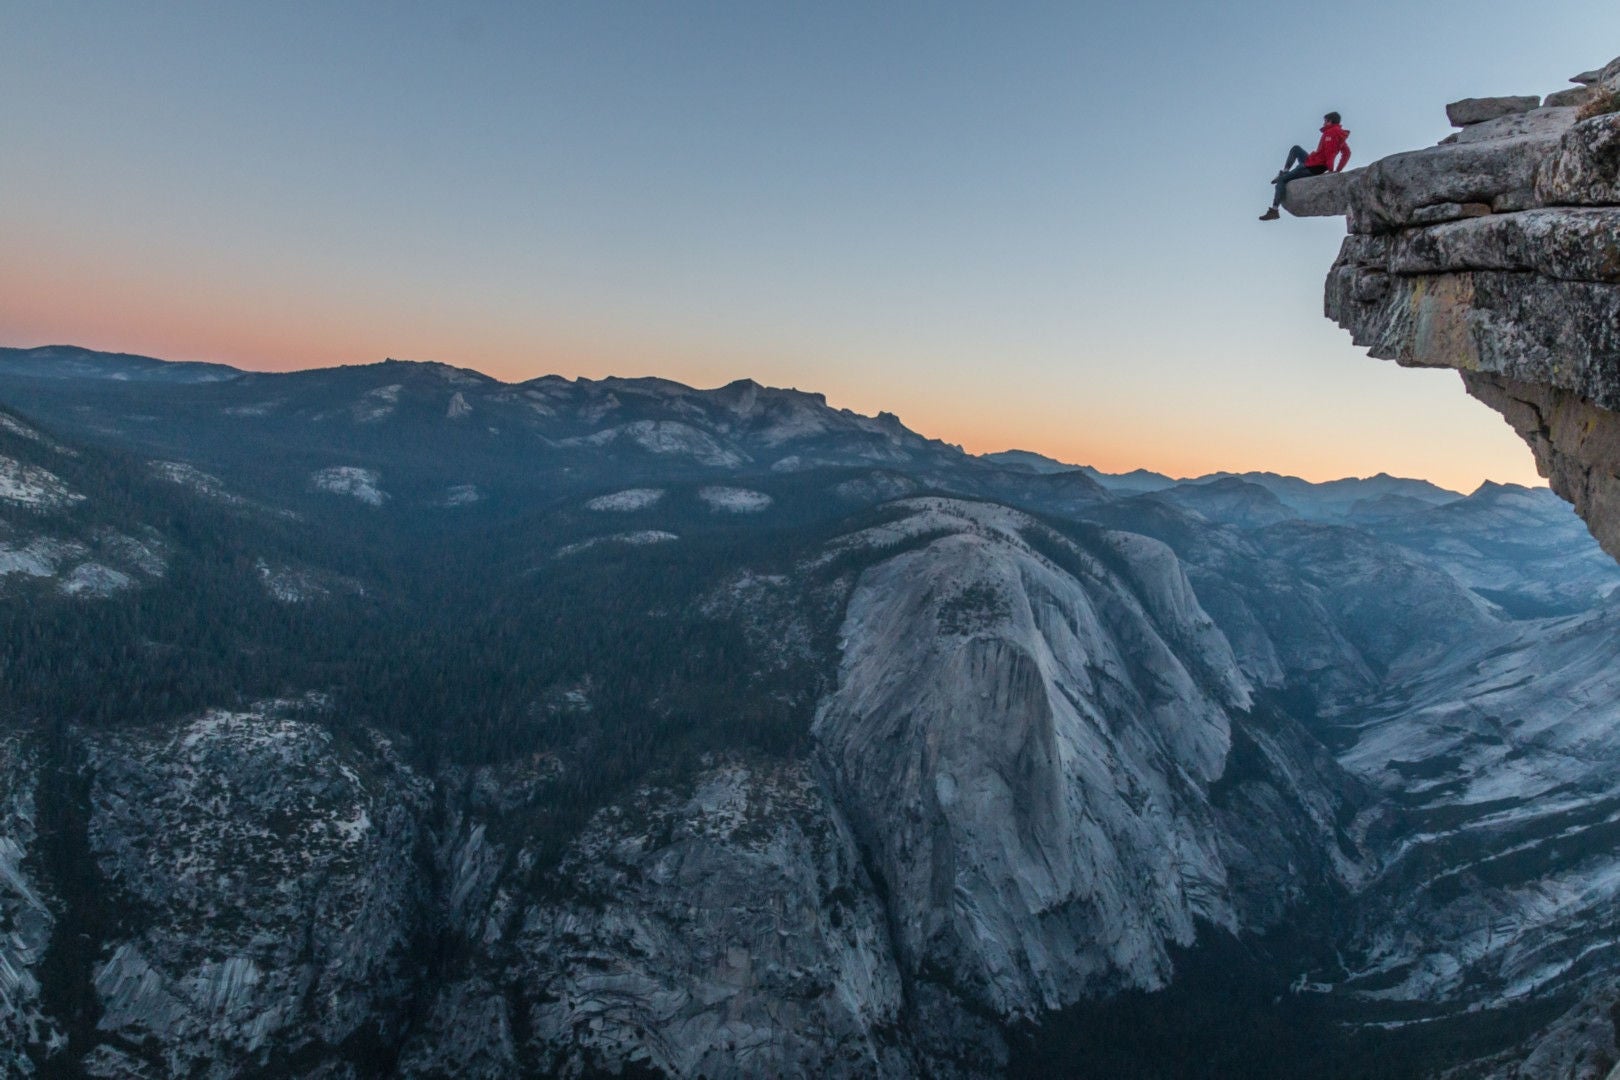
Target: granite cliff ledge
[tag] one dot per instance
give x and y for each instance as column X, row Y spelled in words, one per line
column 1497, row 253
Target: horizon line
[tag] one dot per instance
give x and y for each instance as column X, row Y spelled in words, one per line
column 960, row 447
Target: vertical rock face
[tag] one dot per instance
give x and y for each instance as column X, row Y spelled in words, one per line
column 1497, row 253
column 728, row 934
column 1027, row 754
column 269, row 879
column 726, row 931
column 26, row 919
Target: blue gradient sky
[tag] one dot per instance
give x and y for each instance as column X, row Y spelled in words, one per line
column 1013, row 224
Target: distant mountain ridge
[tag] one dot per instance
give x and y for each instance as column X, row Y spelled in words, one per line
column 72, row 362
column 772, row 416
column 425, row 417
column 403, row 433
column 1345, row 491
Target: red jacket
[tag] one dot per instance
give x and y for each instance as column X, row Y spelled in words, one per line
column 1333, row 152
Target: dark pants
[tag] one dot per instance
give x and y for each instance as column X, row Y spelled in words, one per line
column 1295, row 169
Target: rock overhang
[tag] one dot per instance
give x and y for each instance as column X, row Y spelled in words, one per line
column 1497, row 253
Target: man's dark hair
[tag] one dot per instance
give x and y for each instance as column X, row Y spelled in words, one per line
column 1332, row 118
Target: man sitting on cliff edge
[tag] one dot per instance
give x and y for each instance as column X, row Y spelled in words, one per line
column 1333, row 152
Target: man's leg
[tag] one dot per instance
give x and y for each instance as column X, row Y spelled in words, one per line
column 1299, row 173
column 1296, row 156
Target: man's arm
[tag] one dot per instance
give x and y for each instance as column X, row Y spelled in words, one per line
column 1344, row 158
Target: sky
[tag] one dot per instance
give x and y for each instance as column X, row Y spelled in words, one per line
column 1013, row 224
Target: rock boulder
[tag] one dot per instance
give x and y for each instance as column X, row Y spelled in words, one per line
column 1327, row 195
column 1494, row 164
column 1584, row 169
column 1478, row 110
column 1574, row 96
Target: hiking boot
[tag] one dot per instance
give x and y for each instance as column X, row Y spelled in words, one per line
column 1270, row 215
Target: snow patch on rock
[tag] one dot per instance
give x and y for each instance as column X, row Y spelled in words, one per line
column 376, row 405
column 287, row 585
column 33, row 487
column 796, row 422
column 92, row 579
column 637, row 538
column 257, row 408
column 17, row 427
column 457, row 376
column 38, row 557
column 350, row 480
column 735, row 500
column 148, row 556
column 187, row 476
column 630, row 499
column 664, row 437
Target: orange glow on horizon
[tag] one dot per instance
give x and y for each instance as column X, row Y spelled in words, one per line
column 207, row 319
